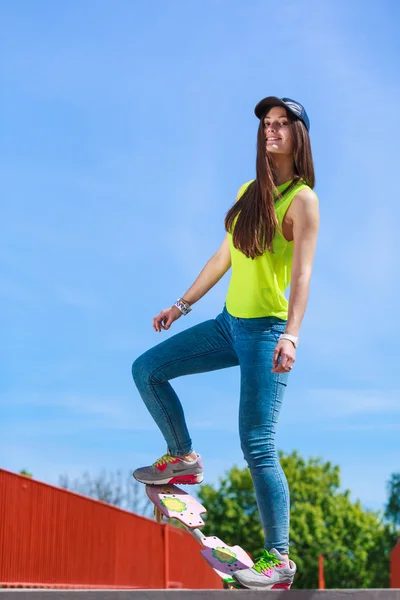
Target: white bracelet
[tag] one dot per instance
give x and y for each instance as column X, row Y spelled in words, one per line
column 292, row 338
column 183, row 306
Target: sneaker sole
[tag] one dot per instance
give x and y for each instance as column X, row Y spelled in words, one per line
column 178, row 479
column 275, row 586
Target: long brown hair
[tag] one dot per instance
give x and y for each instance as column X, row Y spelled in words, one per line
column 256, row 220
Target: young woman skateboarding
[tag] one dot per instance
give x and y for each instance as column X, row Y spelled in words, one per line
column 270, row 243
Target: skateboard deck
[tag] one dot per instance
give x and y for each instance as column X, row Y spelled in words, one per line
column 173, row 503
column 224, row 559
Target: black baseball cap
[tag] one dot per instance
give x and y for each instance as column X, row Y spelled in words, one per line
column 294, row 107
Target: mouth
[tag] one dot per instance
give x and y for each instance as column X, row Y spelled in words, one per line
column 273, row 139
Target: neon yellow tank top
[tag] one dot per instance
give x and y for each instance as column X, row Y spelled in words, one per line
column 257, row 287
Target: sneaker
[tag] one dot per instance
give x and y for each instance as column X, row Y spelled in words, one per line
column 270, row 572
column 170, row 469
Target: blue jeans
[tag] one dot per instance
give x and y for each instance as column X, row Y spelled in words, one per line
column 219, row 343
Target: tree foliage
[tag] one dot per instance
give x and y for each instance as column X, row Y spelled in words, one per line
column 26, row 473
column 113, row 488
column 356, row 543
column 392, row 511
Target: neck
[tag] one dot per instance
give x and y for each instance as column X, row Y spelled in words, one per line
column 284, row 168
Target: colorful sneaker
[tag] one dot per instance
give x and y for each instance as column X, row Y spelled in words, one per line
column 170, row 469
column 270, row 572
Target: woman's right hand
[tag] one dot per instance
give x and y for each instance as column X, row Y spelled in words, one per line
column 165, row 318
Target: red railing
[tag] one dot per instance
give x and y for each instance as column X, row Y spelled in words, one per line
column 395, row 567
column 50, row 536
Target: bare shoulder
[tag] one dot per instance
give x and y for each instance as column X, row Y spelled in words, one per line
column 303, row 214
column 305, row 199
column 305, row 205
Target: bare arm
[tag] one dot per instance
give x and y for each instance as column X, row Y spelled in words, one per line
column 305, row 217
column 304, row 214
column 212, row 272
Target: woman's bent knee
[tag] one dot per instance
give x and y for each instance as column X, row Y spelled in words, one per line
column 147, row 369
column 140, row 369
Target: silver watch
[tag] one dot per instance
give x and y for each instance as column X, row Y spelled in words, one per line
column 286, row 336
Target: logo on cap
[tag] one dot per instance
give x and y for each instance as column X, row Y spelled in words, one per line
column 295, row 107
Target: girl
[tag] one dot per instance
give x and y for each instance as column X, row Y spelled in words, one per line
column 270, row 243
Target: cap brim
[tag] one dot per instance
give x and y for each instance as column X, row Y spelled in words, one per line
column 266, row 103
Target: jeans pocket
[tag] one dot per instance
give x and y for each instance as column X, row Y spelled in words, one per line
column 264, row 325
column 278, row 329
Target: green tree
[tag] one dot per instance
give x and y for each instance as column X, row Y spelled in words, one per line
column 356, row 543
column 26, row 473
column 392, row 511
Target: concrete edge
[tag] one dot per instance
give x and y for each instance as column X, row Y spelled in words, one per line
column 145, row 594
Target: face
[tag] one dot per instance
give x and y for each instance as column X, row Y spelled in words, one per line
column 277, row 131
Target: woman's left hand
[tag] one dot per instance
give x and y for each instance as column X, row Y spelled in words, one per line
column 284, row 357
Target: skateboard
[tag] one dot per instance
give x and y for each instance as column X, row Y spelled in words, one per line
column 173, row 503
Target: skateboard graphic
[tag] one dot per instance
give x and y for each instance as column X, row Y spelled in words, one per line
column 173, row 503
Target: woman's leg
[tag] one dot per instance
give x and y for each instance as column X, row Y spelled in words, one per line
column 260, row 403
column 204, row 347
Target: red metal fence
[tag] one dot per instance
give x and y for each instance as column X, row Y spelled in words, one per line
column 395, row 567
column 52, row 536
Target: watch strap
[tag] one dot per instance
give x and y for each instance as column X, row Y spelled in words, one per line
column 292, row 338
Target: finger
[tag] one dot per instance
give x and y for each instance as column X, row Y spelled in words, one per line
column 285, row 368
column 285, row 361
column 291, row 364
column 278, row 368
column 275, row 356
column 288, row 362
column 277, row 359
column 284, row 364
column 158, row 322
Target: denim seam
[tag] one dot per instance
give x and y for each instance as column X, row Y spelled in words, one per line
column 277, row 470
column 165, row 413
column 166, row 416
column 280, row 474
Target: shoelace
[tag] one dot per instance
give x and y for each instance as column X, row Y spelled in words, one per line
column 163, row 460
column 266, row 561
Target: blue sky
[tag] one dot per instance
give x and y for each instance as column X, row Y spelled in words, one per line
column 127, row 130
